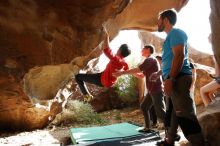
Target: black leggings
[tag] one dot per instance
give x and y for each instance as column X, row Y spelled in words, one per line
column 153, row 115
column 89, row 78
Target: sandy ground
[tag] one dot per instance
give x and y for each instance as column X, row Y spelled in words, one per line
column 58, row 135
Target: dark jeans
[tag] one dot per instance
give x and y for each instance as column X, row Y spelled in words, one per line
column 89, row 78
column 153, row 115
column 183, row 112
column 157, row 101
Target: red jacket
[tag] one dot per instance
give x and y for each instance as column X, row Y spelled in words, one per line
column 115, row 64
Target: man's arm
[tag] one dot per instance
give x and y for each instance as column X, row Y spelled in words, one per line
column 156, row 75
column 134, row 71
column 106, row 40
column 108, row 53
column 107, row 50
column 177, row 63
column 138, row 75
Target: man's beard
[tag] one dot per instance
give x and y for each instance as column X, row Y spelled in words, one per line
column 160, row 28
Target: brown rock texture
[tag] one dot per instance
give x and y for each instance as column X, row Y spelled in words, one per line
column 37, row 32
column 51, row 34
column 209, row 121
column 17, row 111
column 215, row 27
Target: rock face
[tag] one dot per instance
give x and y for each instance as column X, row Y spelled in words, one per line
column 141, row 14
column 215, row 28
column 49, row 33
column 211, row 115
column 18, row 112
column 37, row 32
column 209, row 120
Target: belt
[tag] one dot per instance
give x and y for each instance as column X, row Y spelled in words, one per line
column 180, row 74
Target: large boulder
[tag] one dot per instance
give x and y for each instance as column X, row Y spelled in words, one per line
column 210, row 122
column 18, row 112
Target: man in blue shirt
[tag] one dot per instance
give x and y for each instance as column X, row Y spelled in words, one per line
column 177, row 77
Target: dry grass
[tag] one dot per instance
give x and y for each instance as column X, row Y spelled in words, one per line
column 77, row 112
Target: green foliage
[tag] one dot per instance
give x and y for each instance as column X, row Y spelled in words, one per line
column 126, row 88
column 118, row 116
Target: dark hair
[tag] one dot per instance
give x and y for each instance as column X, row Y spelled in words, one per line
column 191, row 60
column 159, row 57
column 125, row 51
column 170, row 15
column 151, row 47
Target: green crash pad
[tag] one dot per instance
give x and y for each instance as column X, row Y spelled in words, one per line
column 97, row 134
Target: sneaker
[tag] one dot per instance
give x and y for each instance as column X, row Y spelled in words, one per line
column 155, row 125
column 160, row 126
column 87, row 98
column 146, row 130
column 164, row 143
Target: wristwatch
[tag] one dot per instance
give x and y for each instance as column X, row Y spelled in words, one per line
column 170, row 78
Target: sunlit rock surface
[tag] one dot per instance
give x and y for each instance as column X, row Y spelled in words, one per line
column 44, row 82
column 17, row 110
column 36, row 33
column 141, row 14
column 48, row 34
